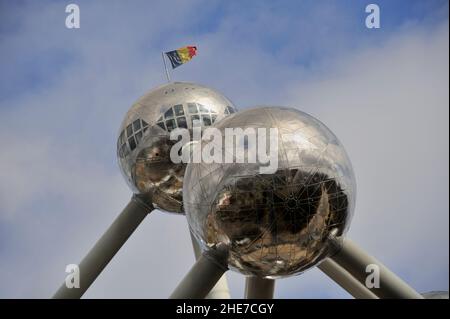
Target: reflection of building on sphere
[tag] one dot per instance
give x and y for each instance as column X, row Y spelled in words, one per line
column 143, row 146
column 275, row 224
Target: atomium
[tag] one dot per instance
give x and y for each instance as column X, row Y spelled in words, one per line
column 143, row 146
column 276, row 224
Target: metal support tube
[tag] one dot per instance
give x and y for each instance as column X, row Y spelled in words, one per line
column 259, row 288
column 220, row 290
column 345, row 280
column 107, row 246
column 204, row 274
column 354, row 260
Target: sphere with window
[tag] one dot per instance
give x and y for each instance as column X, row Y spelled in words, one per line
column 143, row 146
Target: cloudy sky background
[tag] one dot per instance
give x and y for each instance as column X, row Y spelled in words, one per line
column 63, row 94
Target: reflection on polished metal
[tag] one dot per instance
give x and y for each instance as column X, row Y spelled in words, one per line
column 143, row 146
column 107, row 246
column 262, row 225
column 354, row 260
column 205, row 273
column 276, row 224
column 220, row 290
column 259, row 288
column 345, row 280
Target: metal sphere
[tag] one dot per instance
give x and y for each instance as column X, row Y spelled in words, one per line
column 275, row 224
column 143, row 146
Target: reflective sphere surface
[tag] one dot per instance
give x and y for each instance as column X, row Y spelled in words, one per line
column 143, row 146
column 275, row 224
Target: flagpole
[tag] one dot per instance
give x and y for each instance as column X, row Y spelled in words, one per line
column 165, row 67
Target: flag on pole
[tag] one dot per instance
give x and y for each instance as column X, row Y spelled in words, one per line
column 182, row 55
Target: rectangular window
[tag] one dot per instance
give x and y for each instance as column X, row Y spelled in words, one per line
column 169, row 114
column 206, row 119
column 179, row 111
column 137, row 125
column 171, row 125
column 129, row 130
column 192, row 107
column 202, row 108
column 138, row 137
column 181, row 122
column 195, row 118
column 230, row 110
column 132, row 143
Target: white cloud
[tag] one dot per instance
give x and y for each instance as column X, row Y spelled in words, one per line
column 389, row 106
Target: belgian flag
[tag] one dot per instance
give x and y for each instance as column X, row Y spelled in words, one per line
column 182, row 55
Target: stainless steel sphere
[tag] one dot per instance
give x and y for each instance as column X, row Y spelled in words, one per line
column 275, row 224
column 143, row 146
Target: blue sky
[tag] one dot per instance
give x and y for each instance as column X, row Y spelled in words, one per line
column 63, row 94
